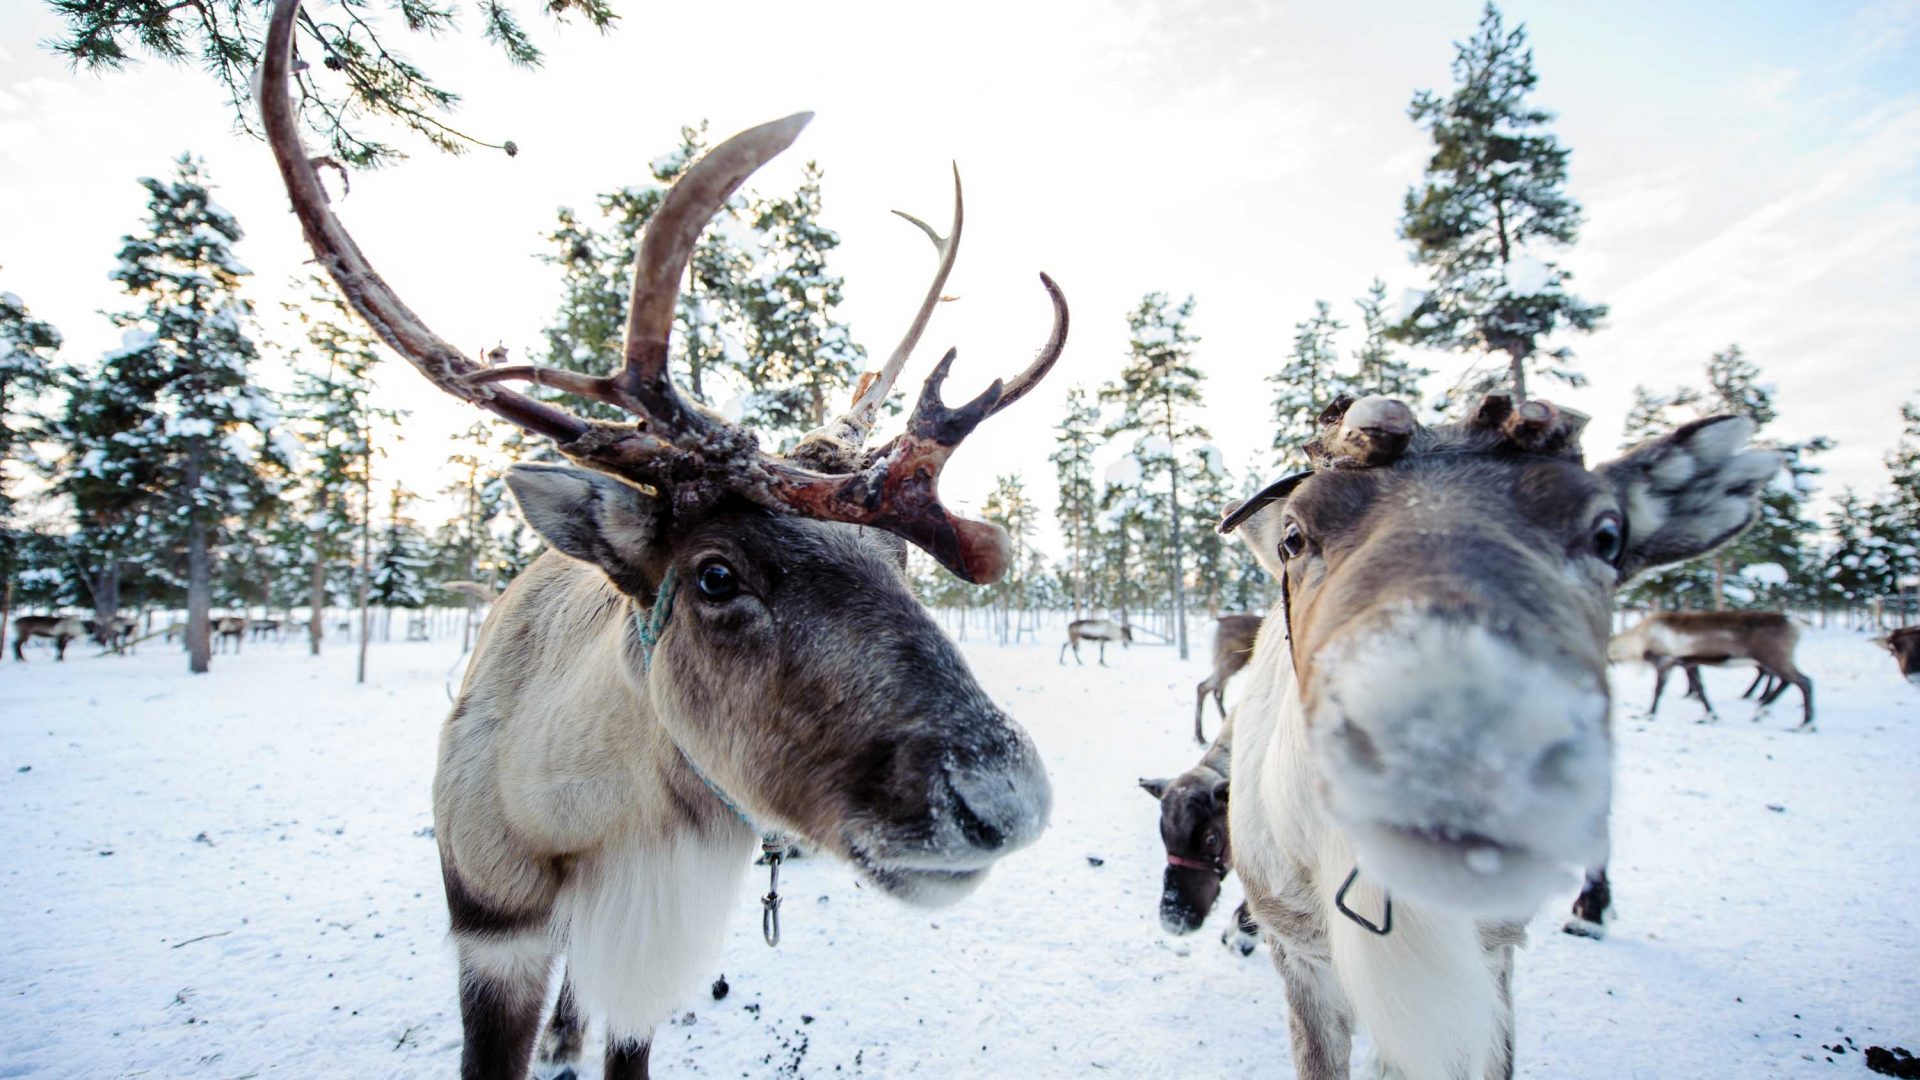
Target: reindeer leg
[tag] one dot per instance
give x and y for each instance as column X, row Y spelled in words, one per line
column 1590, row 907
column 627, row 1059
column 559, row 1057
column 1806, row 698
column 1243, row 934
column 1660, row 672
column 1200, row 711
column 1103, row 652
column 503, row 984
column 1320, row 1026
column 1697, row 688
column 1759, row 676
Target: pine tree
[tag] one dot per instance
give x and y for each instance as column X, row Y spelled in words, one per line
column 1774, row 555
column 804, row 355
column 1488, row 212
column 467, row 550
column 1903, row 467
column 1844, row 573
column 1073, row 467
column 334, row 401
column 366, row 75
column 201, row 430
column 398, row 575
column 1250, row 588
column 1305, row 386
column 1158, row 390
column 27, row 371
column 1210, row 489
column 1376, row 369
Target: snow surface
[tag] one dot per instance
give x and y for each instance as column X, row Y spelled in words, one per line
column 230, row 875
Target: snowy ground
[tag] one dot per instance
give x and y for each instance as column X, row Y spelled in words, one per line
column 229, row 876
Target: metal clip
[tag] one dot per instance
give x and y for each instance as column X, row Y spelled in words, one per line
column 1340, row 901
column 770, row 903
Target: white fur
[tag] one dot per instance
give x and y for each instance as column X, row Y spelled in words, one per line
column 642, row 926
column 1423, row 992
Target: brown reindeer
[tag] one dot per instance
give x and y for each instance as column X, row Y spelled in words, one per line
column 1695, row 639
column 1100, row 630
column 229, row 629
column 1424, row 754
column 61, row 628
column 1904, row 644
column 1193, row 828
column 715, row 648
column 1232, row 648
column 116, row 634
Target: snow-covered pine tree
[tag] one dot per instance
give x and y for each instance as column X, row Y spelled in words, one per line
column 1774, row 562
column 333, row 398
column 1903, row 467
column 1249, row 587
column 1210, row 488
column 399, row 570
column 1007, row 506
column 1305, row 385
column 1073, row 468
column 1489, row 211
column 1844, row 574
column 804, row 356
column 208, row 432
column 1158, row 391
column 1376, row 369
column 27, row 371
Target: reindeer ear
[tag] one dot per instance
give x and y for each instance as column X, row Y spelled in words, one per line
column 594, row 518
column 1686, row 493
column 1220, row 789
column 1155, row 788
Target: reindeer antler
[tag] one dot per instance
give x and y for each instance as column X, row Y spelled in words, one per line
column 686, row 451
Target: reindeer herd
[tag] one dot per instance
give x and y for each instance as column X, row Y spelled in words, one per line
column 720, row 655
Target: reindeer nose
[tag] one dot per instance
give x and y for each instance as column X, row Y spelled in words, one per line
column 1002, row 803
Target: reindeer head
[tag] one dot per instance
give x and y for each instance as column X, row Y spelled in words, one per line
column 1447, row 595
column 1193, row 826
column 773, row 630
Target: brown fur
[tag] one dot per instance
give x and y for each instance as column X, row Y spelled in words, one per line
column 1695, row 639
column 1904, row 644
column 61, row 628
column 1232, row 648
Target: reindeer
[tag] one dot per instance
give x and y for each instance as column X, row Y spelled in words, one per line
column 1100, row 630
column 721, row 644
column 61, row 628
column 1232, row 648
column 265, row 629
column 1904, row 644
column 1193, row 827
column 229, row 628
column 1695, row 639
column 116, row 633
column 1425, row 749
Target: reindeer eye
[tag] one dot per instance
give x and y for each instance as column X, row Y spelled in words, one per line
column 1609, row 538
column 1293, row 541
column 1211, row 841
column 718, row 581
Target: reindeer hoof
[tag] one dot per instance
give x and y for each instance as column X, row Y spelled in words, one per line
column 1584, row 928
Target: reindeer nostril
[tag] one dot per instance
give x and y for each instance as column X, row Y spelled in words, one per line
column 1555, row 768
column 977, row 831
column 1365, row 753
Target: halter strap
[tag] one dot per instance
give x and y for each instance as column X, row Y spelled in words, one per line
column 1217, row 868
column 648, row 625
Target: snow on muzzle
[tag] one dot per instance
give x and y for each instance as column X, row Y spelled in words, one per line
column 1466, row 772
column 977, row 799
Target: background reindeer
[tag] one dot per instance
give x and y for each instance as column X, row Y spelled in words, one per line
column 61, row 628
column 713, row 648
column 1695, row 639
column 229, row 629
column 1193, row 827
column 1426, row 749
column 1232, row 648
column 1904, row 644
column 1100, row 630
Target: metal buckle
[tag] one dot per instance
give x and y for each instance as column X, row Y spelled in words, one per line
column 1340, row 902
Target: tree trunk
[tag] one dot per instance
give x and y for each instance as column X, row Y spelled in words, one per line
column 366, row 572
column 317, row 596
column 1517, row 372
column 1719, row 584
column 6, row 613
column 199, row 575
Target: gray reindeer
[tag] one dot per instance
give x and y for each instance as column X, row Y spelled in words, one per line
column 720, row 646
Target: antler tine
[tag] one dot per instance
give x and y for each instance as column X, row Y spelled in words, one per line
column 667, row 246
column 333, row 247
column 857, row 423
column 1049, row 353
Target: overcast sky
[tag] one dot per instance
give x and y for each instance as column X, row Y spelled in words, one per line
column 1750, row 172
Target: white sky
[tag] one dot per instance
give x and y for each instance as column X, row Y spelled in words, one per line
column 1751, row 174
